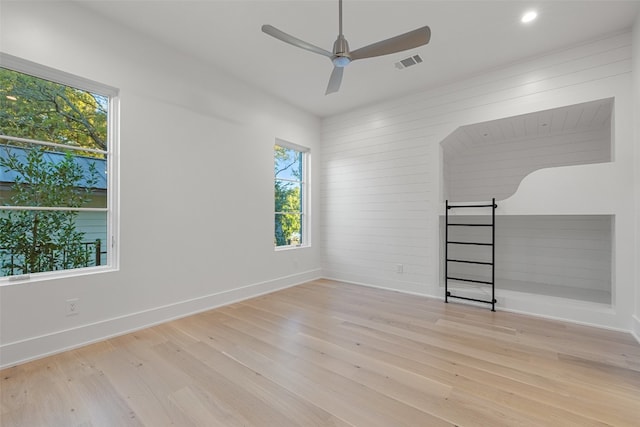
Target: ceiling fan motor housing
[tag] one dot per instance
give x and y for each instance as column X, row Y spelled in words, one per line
column 341, row 56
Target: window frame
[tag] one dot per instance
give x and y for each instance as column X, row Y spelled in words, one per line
column 34, row 69
column 305, row 203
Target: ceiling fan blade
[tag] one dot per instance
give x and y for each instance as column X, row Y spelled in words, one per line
column 335, row 80
column 281, row 35
column 405, row 41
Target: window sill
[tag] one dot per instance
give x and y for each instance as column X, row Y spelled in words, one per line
column 63, row 274
column 291, row 247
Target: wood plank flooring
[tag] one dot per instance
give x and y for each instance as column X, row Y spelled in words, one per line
column 332, row 354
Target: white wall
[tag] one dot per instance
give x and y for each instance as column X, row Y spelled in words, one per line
column 382, row 189
column 196, row 184
column 636, row 115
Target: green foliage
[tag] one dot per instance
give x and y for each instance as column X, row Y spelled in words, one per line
column 291, row 222
column 288, row 225
column 34, row 108
column 44, row 240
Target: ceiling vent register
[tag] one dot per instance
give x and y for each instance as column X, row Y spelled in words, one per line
column 408, row 62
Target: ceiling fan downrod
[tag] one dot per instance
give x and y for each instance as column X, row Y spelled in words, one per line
column 341, row 57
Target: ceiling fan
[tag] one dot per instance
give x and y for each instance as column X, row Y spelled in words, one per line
column 342, row 56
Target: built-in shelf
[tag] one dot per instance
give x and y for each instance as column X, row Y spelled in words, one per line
column 556, row 291
column 563, row 256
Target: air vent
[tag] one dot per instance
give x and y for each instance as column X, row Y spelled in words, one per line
column 408, row 62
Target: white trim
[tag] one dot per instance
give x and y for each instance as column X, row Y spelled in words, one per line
column 52, row 144
column 113, row 185
column 289, row 213
column 564, row 319
column 291, row 145
column 56, row 274
column 635, row 328
column 384, row 288
column 33, row 348
column 290, row 180
column 306, row 200
column 42, row 71
column 51, row 208
column 290, row 247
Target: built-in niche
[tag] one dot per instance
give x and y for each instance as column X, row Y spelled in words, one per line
column 564, row 256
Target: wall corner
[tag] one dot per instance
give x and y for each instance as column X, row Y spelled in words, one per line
column 636, row 140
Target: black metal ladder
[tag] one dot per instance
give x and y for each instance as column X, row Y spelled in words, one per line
column 448, row 294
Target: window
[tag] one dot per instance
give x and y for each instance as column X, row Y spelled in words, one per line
column 57, row 172
column 291, row 195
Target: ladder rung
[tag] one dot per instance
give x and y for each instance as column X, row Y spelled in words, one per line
column 472, row 206
column 470, row 225
column 470, row 262
column 472, row 299
column 470, row 243
column 469, row 280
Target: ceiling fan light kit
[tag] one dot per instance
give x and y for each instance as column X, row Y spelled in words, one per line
column 342, row 56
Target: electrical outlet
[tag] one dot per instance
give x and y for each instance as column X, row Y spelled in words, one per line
column 399, row 268
column 73, row 306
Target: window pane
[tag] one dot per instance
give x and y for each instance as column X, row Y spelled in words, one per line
column 288, row 163
column 62, row 240
column 287, row 196
column 35, row 108
column 288, row 229
column 32, row 175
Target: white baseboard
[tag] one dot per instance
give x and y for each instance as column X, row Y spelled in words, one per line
column 635, row 329
column 18, row 352
column 397, row 285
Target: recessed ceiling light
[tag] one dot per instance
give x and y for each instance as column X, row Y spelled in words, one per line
column 529, row 16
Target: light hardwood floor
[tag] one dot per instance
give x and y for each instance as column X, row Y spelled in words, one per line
column 333, row 354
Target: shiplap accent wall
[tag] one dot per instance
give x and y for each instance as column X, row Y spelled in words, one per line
column 375, row 198
column 490, row 159
column 382, row 192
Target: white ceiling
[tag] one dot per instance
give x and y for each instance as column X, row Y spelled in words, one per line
column 583, row 117
column 468, row 37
